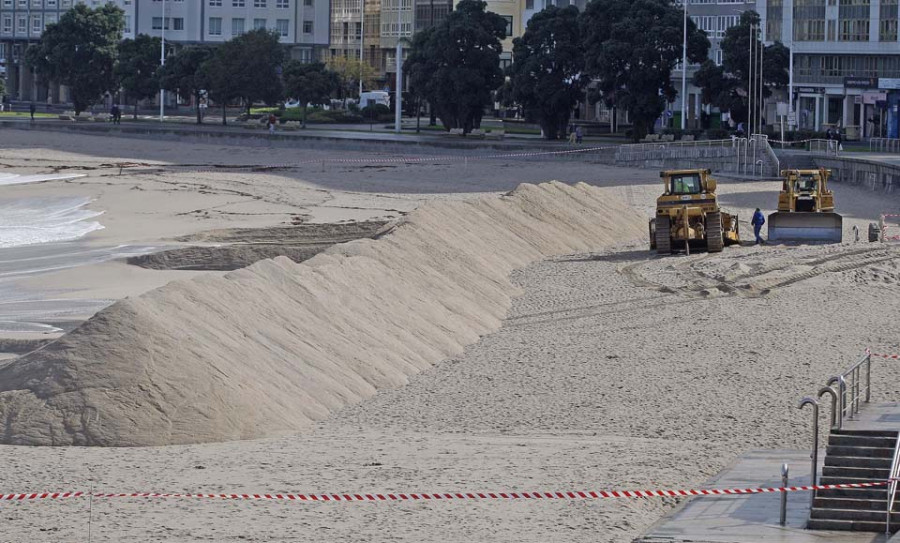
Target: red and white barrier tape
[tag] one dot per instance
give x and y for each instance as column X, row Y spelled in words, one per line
column 881, row 355
column 571, row 495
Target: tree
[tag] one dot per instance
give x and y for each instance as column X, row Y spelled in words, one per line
column 80, row 52
column 726, row 87
column 349, row 71
column 631, row 47
column 309, row 83
column 546, row 69
column 221, row 86
column 456, row 64
column 138, row 68
column 183, row 74
column 253, row 62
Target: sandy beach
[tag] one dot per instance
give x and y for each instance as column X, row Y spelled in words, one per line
column 611, row 369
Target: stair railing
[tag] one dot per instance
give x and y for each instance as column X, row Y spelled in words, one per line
column 852, row 387
column 892, row 484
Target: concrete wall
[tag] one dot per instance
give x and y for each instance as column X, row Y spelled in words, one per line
column 876, row 176
column 723, row 156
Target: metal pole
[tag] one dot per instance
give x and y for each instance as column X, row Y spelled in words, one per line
column 791, row 71
column 815, row 442
column 868, row 376
column 398, row 99
column 837, row 419
column 761, row 73
column 750, row 89
column 684, row 3
column 162, row 62
column 362, row 28
column 784, row 483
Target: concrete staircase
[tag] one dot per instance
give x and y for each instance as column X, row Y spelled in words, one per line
column 795, row 160
column 855, row 456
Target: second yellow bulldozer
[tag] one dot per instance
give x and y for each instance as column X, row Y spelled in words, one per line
column 688, row 215
column 805, row 209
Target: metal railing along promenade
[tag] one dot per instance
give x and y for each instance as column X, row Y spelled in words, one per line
column 884, row 145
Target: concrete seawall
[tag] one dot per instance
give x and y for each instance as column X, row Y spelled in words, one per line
column 874, row 174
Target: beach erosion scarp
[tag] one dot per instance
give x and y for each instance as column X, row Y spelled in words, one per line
column 268, row 349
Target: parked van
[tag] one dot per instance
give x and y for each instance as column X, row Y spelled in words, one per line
column 371, row 98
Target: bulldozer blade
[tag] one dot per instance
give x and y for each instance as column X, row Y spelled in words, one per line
column 806, row 227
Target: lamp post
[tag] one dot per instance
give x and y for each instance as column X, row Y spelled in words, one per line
column 684, row 69
column 162, row 62
column 398, row 86
column 362, row 29
column 791, row 114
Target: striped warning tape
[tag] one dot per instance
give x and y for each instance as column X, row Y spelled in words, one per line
column 571, row 495
column 881, row 355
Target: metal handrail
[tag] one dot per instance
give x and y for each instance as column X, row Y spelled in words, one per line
column 892, row 484
column 851, row 388
column 836, row 414
column 814, row 456
column 884, row 145
column 829, row 147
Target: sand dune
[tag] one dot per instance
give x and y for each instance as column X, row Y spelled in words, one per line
column 267, row 349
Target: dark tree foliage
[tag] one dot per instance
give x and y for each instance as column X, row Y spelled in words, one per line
column 456, row 65
column 183, row 73
column 631, row 47
column 726, row 87
column 80, row 52
column 138, row 68
column 309, row 83
column 247, row 67
column 547, row 67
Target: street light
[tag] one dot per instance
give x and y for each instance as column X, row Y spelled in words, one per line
column 684, row 69
column 162, row 62
column 362, row 29
column 398, row 87
column 791, row 114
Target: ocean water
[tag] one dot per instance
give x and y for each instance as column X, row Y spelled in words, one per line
column 28, row 221
column 41, row 235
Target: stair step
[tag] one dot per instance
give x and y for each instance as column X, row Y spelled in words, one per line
column 850, row 503
column 874, row 493
column 873, row 474
column 848, row 525
column 854, row 440
column 852, row 514
column 876, row 452
column 831, row 480
column 857, row 462
column 866, row 433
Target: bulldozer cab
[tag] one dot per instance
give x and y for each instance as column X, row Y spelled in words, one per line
column 685, row 183
column 806, row 182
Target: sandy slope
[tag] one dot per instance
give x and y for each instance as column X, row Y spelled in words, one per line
column 613, row 370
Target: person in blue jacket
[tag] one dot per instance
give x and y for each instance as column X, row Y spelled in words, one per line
column 758, row 221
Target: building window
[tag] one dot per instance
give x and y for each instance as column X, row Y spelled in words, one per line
column 509, row 27
column 237, row 27
column 127, row 28
column 718, row 57
column 853, row 16
column 7, row 24
column 259, row 24
column 36, row 4
column 178, row 23
column 215, row 26
column 237, row 3
column 809, row 20
column 283, row 4
column 51, row 4
column 307, row 27
column 305, row 56
column 66, row 3
column 259, row 3
column 157, row 23
column 22, row 26
column 887, row 28
column 23, row 3
column 282, row 25
column 7, row 3
column 215, row 3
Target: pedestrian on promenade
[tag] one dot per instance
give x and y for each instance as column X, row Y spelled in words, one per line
column 32, row 109
column 571, row 134
column 578, row 134
column 758, row 221
column 272, row 121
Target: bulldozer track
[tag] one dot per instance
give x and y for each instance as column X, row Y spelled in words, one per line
column 700, row 284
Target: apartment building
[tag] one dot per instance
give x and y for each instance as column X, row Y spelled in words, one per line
column 302, row 25
column 846, row 61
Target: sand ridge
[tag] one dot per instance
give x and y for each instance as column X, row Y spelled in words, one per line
column 267, row 349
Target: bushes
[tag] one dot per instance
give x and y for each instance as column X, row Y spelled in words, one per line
column 377, row 113
column 316, row 115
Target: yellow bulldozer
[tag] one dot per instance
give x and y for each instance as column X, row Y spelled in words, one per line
column 805, row 209
column 688, row 215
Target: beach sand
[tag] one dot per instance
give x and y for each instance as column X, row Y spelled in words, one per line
column 612, row 370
